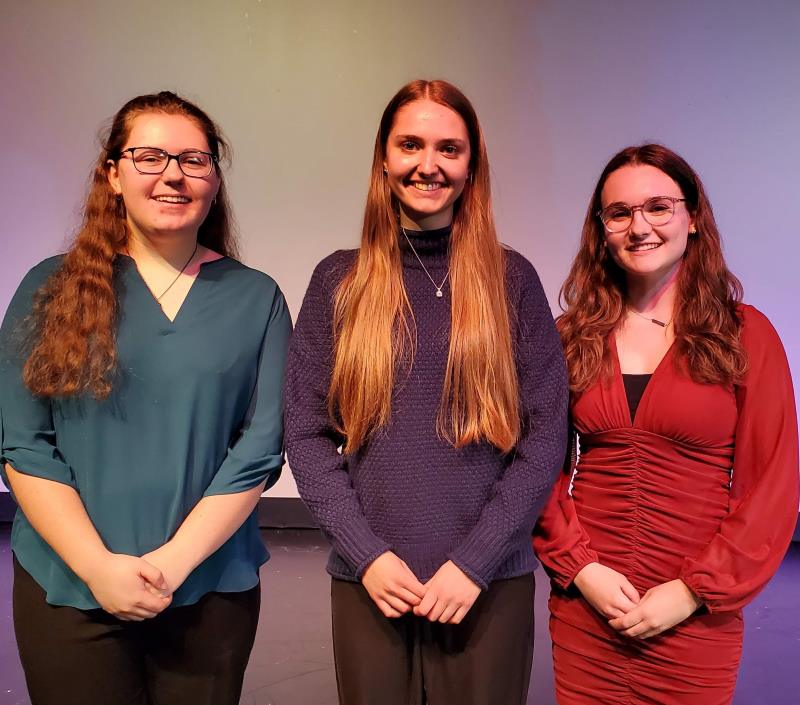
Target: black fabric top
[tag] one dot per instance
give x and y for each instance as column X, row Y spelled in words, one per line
column 634, row 390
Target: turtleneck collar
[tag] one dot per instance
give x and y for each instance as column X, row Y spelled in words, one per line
column 432, row 246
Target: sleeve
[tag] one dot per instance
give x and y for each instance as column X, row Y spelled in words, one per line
column 518, row 495
column 257, row 450
column 753, row 537
column 312, row 442
column 559, row 540
column 26, row 421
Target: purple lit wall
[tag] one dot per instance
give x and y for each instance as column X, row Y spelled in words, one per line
column 298, row 87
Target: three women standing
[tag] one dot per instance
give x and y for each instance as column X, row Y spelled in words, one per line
column 686, row 490
column 426, row 420
column 142, row 418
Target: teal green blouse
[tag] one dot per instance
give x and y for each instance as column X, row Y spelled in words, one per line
column 196, row 410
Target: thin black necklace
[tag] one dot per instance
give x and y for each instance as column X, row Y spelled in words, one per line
column 652, row 320
column 425, row 269
column 183, row 269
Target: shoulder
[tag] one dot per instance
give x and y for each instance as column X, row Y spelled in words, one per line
column 330, row 271
column 238, row 275
column 758, row 333
column 36, row 277
column 522, row 279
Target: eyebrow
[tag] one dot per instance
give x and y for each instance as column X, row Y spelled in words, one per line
column 447, row 140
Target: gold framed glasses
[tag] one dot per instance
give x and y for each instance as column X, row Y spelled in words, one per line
column 658, row 210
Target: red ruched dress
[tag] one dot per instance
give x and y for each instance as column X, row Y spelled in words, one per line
column 701, row 485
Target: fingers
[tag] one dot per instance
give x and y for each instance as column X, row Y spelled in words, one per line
column 153, row 575
column 424, row 607
column 446, row 617
column 629, row 591
column 458, row 617
column 411, row 599
column 387, row 610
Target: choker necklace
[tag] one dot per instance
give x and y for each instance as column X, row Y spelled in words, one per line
column 425, row 269
column 183, row 269
column 652, row 320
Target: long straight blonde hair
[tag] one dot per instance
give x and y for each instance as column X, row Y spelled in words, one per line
column 373, row 322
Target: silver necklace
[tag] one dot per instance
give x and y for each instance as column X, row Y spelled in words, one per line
column 663, row 324
column 183, row 269
column 425, row 269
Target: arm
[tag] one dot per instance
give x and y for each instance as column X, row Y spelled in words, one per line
column 312, row 442
column 43, row 483
column 753, row 537
column 320, row 470
column 253, row 462
column 518, row 495
column 118, row 582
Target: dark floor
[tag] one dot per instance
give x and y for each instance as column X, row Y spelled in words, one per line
column 292, row 659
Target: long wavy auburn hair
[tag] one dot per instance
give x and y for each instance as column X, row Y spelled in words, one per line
column 707, row 324
column 373, row 323
column 71, row 333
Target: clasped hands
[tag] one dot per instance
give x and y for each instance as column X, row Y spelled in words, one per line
column 445, row 598
column 613, row 596
column 132, row 588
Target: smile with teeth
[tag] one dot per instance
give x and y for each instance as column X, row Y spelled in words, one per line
column 427, row 186
column 172, row 199
column 643, row 246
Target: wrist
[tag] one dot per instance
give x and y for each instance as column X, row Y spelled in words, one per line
column 579, row 581
column 88, row 564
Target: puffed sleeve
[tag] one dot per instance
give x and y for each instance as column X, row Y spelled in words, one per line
column 312, row 443
column 26, row 421
column 517, row 497
column 560, row 542
column 754, row 535
column 257, row 450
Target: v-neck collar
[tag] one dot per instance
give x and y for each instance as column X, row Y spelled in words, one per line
column 165, row 320
column 619, row 382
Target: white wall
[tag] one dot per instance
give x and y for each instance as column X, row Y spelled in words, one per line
column 298, row 86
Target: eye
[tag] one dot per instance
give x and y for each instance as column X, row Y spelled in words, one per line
column 450, row 150
column 408, row 145
column 617, row 212
column 149, row 156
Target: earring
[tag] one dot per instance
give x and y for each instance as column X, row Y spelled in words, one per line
column 692, row 230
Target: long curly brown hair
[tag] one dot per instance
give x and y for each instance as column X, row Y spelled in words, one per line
column 71, row 331
column 707, row 323
column 374, row 322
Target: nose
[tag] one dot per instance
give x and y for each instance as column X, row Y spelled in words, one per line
column 639, row 226
column 427, row 164
column 173, row 171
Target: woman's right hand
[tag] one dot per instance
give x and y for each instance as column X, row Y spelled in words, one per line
column 608, row 591
column 392, row 586
column 128, row 587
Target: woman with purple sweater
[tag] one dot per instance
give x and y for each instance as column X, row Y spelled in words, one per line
column 426, row 422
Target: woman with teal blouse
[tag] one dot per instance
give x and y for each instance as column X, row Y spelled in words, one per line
column 140, row 397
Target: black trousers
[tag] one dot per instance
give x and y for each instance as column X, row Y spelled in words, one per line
column 193, row 655
column 485, row 660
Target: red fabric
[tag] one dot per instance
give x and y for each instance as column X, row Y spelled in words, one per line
column 656, row 500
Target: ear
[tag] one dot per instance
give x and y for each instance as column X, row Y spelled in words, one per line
column 112, row 172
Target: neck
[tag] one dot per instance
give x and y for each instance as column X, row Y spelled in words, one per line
column 418, row 221
column 654, row 294
column 173, row 250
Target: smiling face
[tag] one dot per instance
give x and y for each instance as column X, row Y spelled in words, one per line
column 427, row 163
column 168, row 204
column 645, row 250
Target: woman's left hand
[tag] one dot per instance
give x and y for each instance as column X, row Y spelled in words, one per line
column 660, row 608
column 449, row 595
column 170, row 565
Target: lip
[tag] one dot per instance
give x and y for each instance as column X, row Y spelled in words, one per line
column 439, row 187
column 644, row 250
column 160, row 199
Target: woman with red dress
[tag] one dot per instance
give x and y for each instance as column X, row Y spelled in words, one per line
column 685, row 495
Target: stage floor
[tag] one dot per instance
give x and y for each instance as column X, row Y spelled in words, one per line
column 292, row 661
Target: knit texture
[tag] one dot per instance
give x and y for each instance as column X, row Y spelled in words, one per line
column 408, row 490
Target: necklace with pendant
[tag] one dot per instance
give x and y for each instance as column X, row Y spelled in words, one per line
column 663, row 324
column 438, row 287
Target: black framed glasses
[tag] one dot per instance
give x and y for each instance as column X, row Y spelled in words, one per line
column 657, row 210
column 152, row 160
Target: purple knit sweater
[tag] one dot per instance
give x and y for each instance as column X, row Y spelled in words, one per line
column 408, row 490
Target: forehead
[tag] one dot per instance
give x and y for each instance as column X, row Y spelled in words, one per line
column 431, row 119
column 635, row 183
column 175, row 133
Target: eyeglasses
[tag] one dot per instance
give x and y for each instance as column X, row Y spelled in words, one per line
column 657, row 210
column 151, row 160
